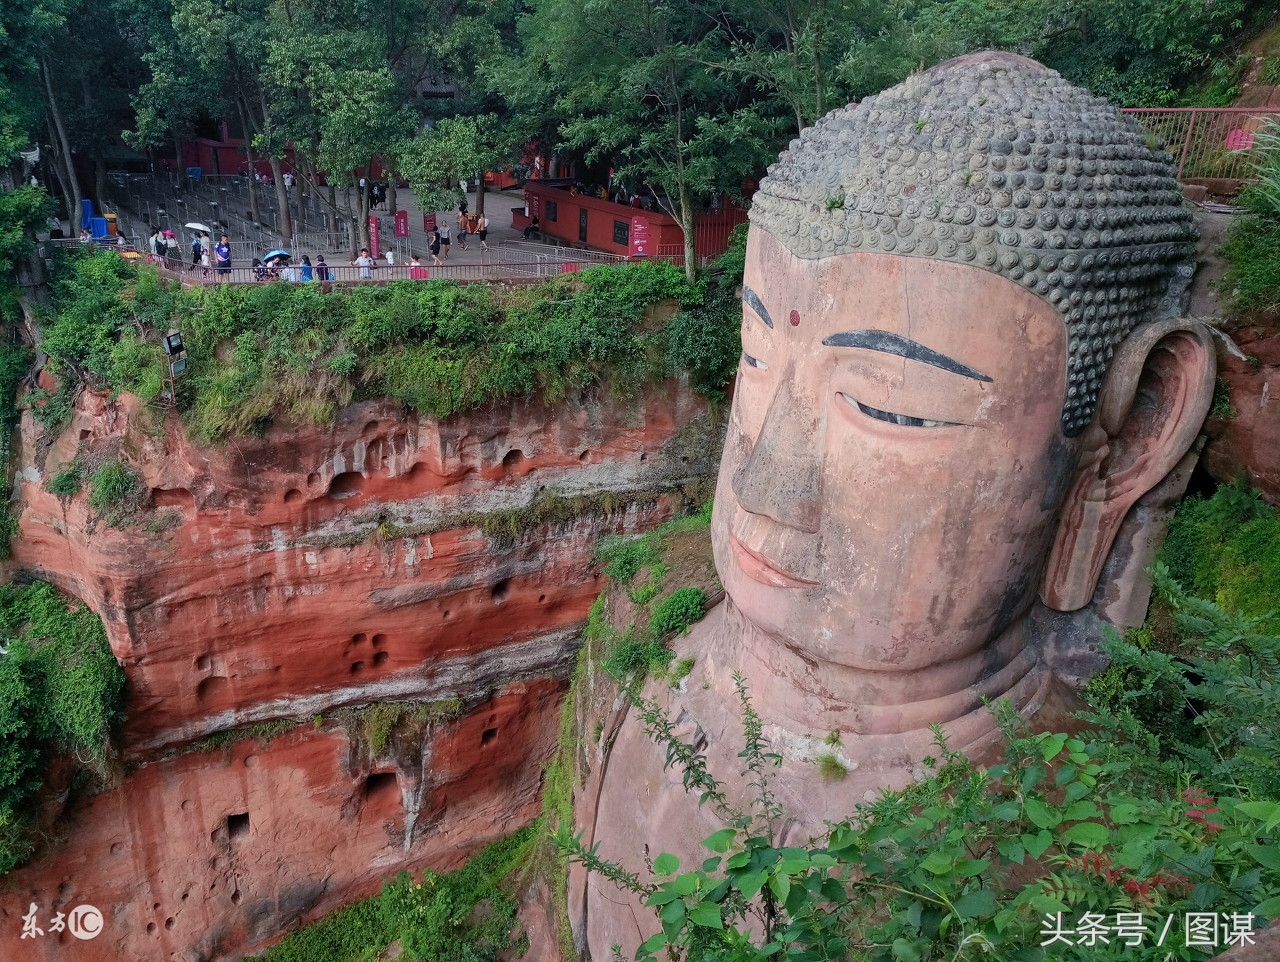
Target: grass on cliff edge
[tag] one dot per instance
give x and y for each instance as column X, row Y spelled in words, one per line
column 468, row 915
column 61, row 691
column 258, row 350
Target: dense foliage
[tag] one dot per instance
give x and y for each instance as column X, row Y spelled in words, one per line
column 1167, row 806
column 468, row 915
column 259, row 350
column 60, row 692
column 643, row 647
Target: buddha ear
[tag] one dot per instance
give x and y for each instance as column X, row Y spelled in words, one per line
column 1150, row 410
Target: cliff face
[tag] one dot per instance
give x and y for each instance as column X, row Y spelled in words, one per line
column 1247, row 443
column 384, row 557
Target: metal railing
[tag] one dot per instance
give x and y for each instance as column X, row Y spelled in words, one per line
column 1208, row 142
column 179, row 269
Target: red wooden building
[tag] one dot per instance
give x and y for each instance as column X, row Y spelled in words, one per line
column 619, row 229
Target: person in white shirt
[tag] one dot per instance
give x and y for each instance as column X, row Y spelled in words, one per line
column 391, row 258
column 365, row 263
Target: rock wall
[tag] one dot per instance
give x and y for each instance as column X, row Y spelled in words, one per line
column 384, row 557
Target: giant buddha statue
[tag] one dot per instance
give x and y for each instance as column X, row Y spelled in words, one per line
column 965, row 373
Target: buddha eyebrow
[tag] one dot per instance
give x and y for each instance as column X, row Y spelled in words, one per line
column 900, row 346
column 752, row 300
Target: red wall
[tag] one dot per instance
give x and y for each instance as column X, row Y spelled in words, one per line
column 712, row 229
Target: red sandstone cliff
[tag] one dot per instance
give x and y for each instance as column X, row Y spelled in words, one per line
column 313, row 568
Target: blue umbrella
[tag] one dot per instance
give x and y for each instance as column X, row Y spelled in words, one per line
column 277, row 253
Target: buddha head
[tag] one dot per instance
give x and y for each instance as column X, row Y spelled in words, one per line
column 963, row 363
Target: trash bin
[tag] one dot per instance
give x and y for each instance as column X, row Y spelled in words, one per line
column 113, row 229
column 195, row 173
column 98, row 226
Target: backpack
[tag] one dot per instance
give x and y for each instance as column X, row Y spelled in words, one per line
column 195, row 246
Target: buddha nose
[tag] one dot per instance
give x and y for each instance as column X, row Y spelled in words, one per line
column 782, row 476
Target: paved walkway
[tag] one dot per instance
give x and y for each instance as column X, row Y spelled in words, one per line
column 143, row 202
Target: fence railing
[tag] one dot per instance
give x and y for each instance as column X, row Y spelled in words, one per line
column 177, row 268
column 1207, row 142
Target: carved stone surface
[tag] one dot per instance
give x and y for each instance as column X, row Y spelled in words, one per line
column 932, row 492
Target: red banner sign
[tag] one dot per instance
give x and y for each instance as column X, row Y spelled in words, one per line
column 375, row 247
column 639, row 243
column 402, row 223
column 428, row 222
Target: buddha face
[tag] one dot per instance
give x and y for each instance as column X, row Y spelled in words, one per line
column 894, row 464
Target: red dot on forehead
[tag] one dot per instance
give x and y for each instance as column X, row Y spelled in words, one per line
column 795, row 318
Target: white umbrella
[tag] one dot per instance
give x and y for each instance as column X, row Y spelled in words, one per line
column 196, row 225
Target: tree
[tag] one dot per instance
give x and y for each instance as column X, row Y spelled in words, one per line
column 630, row 85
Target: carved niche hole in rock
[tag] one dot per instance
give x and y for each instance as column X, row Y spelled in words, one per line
column 168, row 923
column 382, row 787
column 236, row 897
column 447, row 613
column 379, row 640
column 211, row 688
column 489, row 735
column 346, row 485
column 512, row 458
column 84, row 434
column 292, row 495
column 371, row 427
column 204, row 663
column 584, row 455
column 381, row 658
column 238, row 826
column 644, row 456
column 541, row 599
column 358, row 638
column 313, row 479
column 357, row 667
column 500, row 591
column 151, row 928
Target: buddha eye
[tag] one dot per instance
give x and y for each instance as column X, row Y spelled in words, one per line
column 903, row 420
column 754, row 362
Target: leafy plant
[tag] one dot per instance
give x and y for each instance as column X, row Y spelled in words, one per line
column 258, row 350
column 467, row 915
column 117, row 493
column 67, row 481
column 677, row 611
column 61, row 692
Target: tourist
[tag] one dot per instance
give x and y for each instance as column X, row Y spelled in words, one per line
column 305, row 271
column 532, row 228
column 222, row 258
column 155, row 244
column 462, row 229
column 171, row 247
column 288, row 181
column 322, row 269
column 196, row 248
column 443, row 231
column 365, row 263
column 482, row 231
column 416, row 271
column 433, row 241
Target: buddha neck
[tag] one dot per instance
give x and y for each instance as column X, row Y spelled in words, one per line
column 803, row 694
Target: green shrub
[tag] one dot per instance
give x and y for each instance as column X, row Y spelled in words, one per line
column 67, row 481
column 636, row 654
column 678, row 611
column 468, row 915
column 442, row 348
column 624, row 556
column 117, row 493
column 830, row 767
column 61, row 691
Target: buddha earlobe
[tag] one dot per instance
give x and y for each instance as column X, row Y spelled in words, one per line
column 1151, row 408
